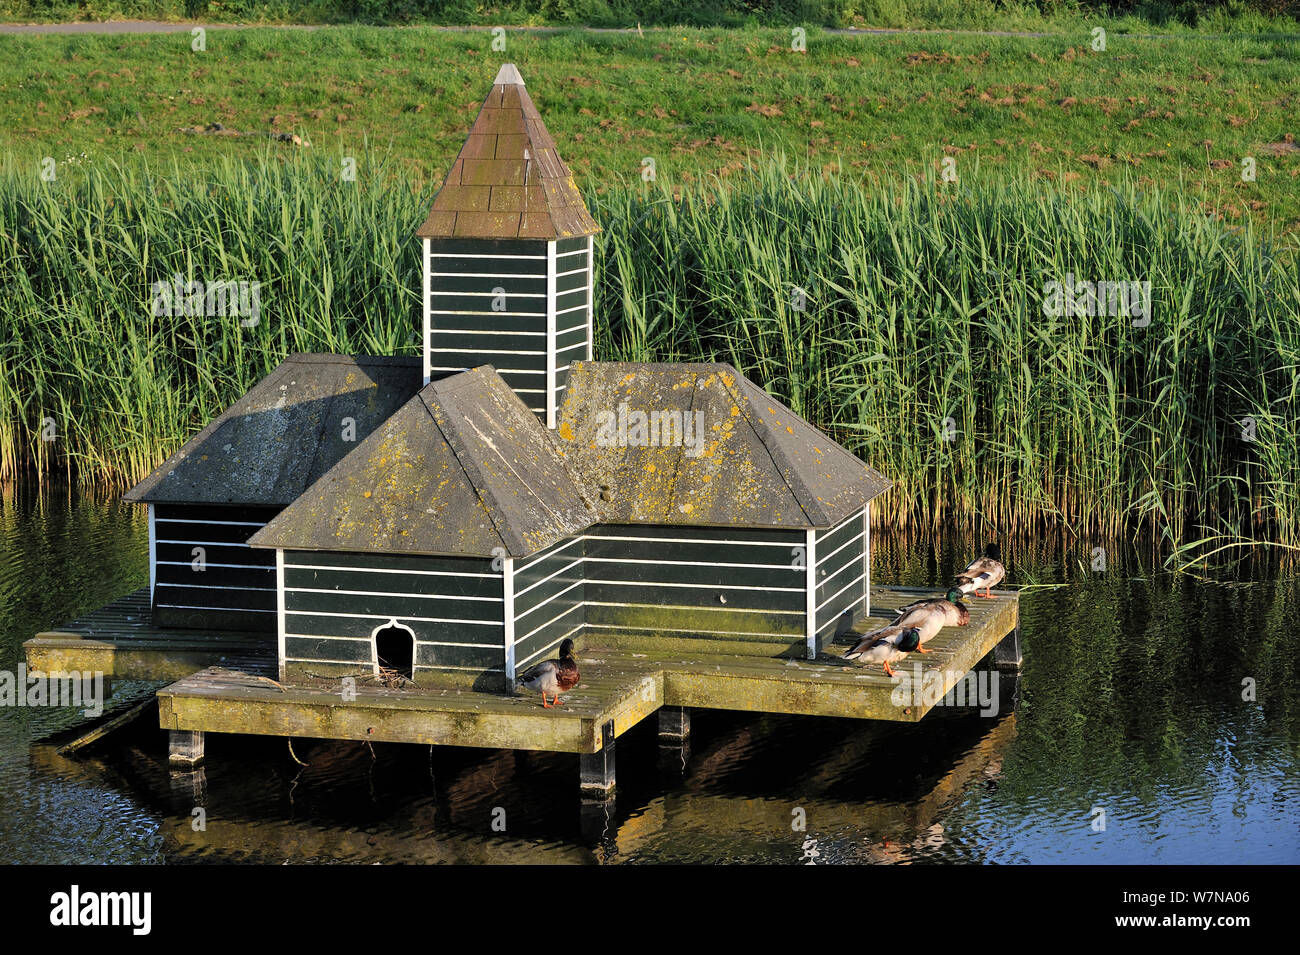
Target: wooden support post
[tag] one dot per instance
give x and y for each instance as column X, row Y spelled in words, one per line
column 674, row 740
column 674, row 724
column 185, row 749
column 596, row 770
column 1006, row 655
column 189, row 791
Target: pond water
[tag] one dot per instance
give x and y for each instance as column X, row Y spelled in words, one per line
column 1129, row 710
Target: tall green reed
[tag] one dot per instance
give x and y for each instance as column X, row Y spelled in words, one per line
column 904, row 317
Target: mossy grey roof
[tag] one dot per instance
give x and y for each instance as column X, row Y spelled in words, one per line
column 753, row 463
column 461, row 469
column 284, row 433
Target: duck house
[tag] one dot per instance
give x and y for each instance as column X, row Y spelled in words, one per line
column 423, row 530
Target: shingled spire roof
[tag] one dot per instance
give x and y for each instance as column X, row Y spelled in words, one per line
column 508, row 181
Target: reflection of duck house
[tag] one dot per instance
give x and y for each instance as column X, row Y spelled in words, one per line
column 453, row 518
column 525, row 493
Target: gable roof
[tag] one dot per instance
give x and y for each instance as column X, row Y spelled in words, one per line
column 751, row 461
column 462, row 469
column 508, row 182
column 284, row 433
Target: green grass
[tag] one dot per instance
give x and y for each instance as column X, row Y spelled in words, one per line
column 924, row 304
column 1174, row 113
column 1133, row 15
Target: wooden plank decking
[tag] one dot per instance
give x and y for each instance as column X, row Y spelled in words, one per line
column 120, row 641
column 618, row 684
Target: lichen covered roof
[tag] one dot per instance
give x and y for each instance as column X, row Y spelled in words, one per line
column 508, row 182
column 462, row 469
column 701, row 444
column 284, row 433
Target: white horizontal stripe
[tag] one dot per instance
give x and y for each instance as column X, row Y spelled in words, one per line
column 601, row 603
column 850, row 560
column 524, row 371
column 477, row 331
column 270, row 568
column 385, row 593
column 793, row 542
column 448, row 643
column 203, row 543
column 481, row 312
column 491, row 294
column 520, row 593
column 195, row 520
column 573, row 308
column 484, row 351
column 325, row 636
column 228, row 609
column 486, row 275
column 793, row 637
column 657, row 583
column 570, row 348
column 842, row 589
column 838, row 549
column 385, row 619
column 548, row 601
column 519, row 666
column 526, row 562
column 521, row 391
column 558, row 616
column 391, row 570
column 477, row 255
column 164, row 583
column 560, row 275
column 417, row 667
column 692, row 563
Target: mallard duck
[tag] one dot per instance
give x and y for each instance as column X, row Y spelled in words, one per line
column 552, row 676
column 983, row 572
column 886, row 646
column 949, row 611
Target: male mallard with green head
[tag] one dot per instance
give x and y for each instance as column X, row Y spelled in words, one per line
column 983, row 572
column 552, row 676
column 886, row 646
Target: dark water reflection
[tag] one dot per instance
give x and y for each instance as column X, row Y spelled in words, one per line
column 1130, row 702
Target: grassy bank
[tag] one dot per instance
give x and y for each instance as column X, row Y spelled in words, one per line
column 1167, row 113
column 924, row 303
column 1136, row 15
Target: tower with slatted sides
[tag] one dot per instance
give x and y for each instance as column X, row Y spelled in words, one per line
column 507, row 255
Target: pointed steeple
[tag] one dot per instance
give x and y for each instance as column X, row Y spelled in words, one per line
column 509, row 181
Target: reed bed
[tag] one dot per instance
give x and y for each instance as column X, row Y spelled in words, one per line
column 920, row 339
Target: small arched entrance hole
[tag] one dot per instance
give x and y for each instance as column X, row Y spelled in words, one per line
column 395, row 648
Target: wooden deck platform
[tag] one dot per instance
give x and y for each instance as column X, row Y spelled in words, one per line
column 619, row 688
column 120, row 641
